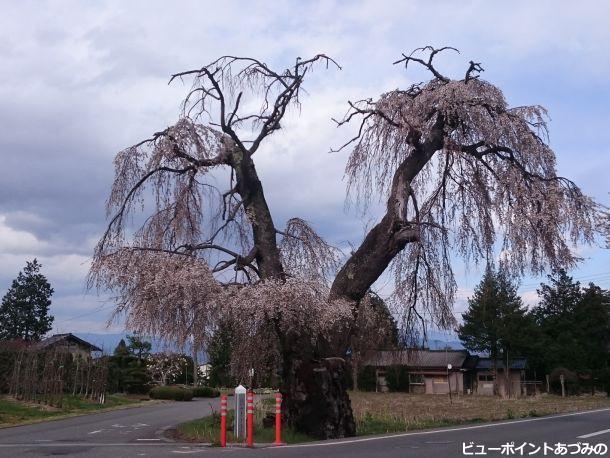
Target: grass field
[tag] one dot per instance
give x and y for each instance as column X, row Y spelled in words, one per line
column 377, row 413
column 13, row 412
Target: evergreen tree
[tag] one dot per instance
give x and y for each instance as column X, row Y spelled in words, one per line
column 495, row 322
column 592, row 319
column 24, row 313
column 139, row 347
column 574, row 326
column 219, row 352
column 127, row 373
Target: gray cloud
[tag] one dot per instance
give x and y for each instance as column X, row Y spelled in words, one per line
column 84, row 80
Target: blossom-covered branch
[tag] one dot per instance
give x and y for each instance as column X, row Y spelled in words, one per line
column 467, row 174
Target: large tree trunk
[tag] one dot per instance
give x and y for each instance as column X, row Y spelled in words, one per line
column 250, row 189
column 316, row 399
column 314, row 382
column 314, row 390
column 392, row 233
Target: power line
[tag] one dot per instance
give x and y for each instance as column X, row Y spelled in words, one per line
column 91, row 312
column 601, row 276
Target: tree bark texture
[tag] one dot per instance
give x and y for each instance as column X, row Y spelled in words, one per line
column 250, row 189
column 316, row 399
column 392, row 233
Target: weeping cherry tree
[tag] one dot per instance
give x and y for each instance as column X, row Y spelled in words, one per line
column 461, row 174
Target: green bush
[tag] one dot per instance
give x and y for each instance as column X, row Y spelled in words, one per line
column 397, row 378
column 175, row 393
column 570, row 381
column 367, row 379
column 205, row 392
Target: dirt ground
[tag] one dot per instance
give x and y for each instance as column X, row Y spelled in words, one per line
column 414, row 409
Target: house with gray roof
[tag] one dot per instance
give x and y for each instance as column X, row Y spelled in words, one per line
column 444, row 371
column 70, row 343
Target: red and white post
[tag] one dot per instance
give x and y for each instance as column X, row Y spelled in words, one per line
column 223, row 420
column 278, row 419
column 250, row 418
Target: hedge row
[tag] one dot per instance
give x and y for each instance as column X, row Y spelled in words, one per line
column 205, row 392
column 175, row 393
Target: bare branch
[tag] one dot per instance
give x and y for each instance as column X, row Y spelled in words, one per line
column 475, row 67
column 428, row 64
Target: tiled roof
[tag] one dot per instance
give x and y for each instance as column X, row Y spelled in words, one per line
column 67, row 337
column 487, row 363
column 417, row 358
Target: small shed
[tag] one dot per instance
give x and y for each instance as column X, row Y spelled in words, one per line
column 509, row 381
column 70, row 343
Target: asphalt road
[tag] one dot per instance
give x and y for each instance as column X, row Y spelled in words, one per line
column 137, row 432
column 119, row 433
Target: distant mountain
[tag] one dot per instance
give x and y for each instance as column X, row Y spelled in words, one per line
column 108, row 342
column 442, row 344
column 438, row 340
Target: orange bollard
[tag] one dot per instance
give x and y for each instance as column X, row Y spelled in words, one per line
column 223, row 420
column 250, row 418
column 278, row 419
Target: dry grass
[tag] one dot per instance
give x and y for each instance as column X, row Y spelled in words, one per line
column 393, row 412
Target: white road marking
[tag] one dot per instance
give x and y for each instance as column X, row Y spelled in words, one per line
column 96, row 431
column 366, row 439
column 597, row 433
column 117, row 425
column 436, row 431
column 88, row 444
column 186, row 451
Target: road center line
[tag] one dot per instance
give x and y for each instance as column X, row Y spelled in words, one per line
column 597, row 433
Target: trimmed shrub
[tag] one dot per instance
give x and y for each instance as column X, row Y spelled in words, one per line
column 205, row 392
column 174, row 393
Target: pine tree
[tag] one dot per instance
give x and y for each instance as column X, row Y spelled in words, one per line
column 127, row 373
column 139, row 347
column 496, row 321
column 593, row 320
column 24, row 313
column 574, row 325
column 219, row 352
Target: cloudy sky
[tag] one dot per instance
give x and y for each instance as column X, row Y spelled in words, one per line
column 82, row 80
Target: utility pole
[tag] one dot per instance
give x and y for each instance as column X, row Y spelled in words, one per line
column 449, row 366
column 195, row 364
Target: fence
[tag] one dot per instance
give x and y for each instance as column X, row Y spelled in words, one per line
column 47, row 376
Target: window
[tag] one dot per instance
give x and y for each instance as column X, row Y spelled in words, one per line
column 486, row 378
column 416, row 379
